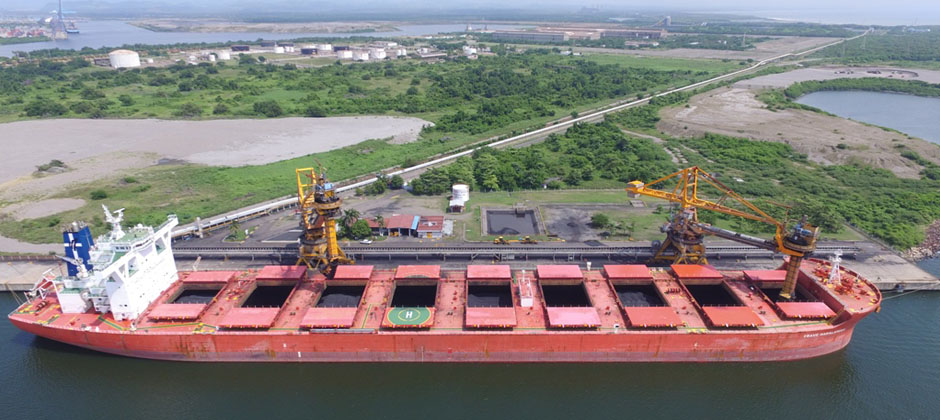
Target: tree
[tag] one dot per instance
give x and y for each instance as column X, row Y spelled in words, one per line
column 246, row 59
column 269, row 108
column 220, row 109
column 315, row 111
column 45, row 108
column 600, row 220
column 126, row 100
column 349, row 216
column 234, row 229
column 360, row 229
column 375, row 188
column 396, row 182
column 189, row 110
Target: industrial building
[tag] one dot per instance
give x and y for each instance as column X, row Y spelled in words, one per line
column 344, row 54
column 378, row 54
column 120, row 59
column 409, row 225
column 634, row 34
column 240, row 48
column 308, row 51
column 530, row 36
column 267, row 44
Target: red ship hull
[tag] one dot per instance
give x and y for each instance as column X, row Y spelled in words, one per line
column 497, row 348
column 529, row 327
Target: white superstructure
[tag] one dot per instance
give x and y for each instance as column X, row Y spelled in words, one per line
column 123, row 273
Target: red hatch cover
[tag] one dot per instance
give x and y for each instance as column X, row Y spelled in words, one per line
column 282, row 272
column 732, row 316
column 559, row 272
column 694, row 271
column 652, row 316
column 490, row 318
column 574, row 317
column 418, row 271
column 488, row 272
column 197, row 277
column 329, row 318
column 353, row 272
column 177, row 311
column 766, row 275
column 628, row 271
column 249, row 318
column 805, row 310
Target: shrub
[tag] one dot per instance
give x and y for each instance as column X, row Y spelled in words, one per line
column 269, row 108
column 99, row 195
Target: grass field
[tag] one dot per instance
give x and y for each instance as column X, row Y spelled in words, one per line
column 193, row 190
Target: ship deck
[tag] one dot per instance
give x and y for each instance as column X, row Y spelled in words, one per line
column 485, row 299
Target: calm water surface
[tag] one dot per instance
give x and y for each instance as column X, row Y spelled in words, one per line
column 914, row 115
column 97, row 34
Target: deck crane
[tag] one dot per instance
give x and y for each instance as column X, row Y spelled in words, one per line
column 685, row 234
column 319, row 207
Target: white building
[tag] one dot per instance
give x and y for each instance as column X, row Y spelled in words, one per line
column 124, row 59
column 401, row 52
column 223, row 55
column 385, row 44
column 468, row 50
column 361, row 55
column 345, row 55
column 324, row 47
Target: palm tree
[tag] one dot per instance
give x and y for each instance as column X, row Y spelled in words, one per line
column 379, row 220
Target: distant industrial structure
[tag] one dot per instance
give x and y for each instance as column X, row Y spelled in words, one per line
column 530, row 36
column 122, row 59
column 634, row 34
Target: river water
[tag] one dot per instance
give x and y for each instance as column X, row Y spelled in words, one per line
column 97, row 34
column 914, row 115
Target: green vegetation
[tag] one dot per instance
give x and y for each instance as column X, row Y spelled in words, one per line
column 874, row 84
column 711, row 42
column 587, row 155
column 919, row 49
column 704, row 41
column 875, row 200
column 23, row 40
column 599, row 220
column 771, row 28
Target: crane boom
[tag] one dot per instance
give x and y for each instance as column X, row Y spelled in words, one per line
column 684, row 239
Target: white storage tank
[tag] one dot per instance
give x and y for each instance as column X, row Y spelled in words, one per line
column 344, row 55
column 279, row 50
column 124, row 59
column 461, row 192
column 325, row 47
column 224, row 55
column 378, row 54
column 212, row 58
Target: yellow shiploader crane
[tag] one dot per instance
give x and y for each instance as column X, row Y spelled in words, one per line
column 684, row 233
column 319, row 208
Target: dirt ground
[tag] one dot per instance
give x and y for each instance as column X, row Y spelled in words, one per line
column 782, row 80
column 736, row 111
column 761, row 50
column 95, row 149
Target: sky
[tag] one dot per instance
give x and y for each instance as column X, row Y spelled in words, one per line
column 893, row 12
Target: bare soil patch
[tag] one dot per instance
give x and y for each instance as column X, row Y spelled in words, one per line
column 95, row 149
column 42, row 208
column 782, row 80
column 736, row 111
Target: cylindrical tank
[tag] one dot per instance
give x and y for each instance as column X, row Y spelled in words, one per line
column 279, row 50
column 461, row 192
column 124, row 59
column 324, row 47
column 212, row 57
column 224, row 55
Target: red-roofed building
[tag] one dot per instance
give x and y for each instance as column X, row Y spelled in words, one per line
column 488, row 272
column 430, row 227
column 402, row 224
column 418, row 271
column 559, row 272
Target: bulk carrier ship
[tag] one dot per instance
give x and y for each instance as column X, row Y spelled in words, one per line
column 122, row 294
